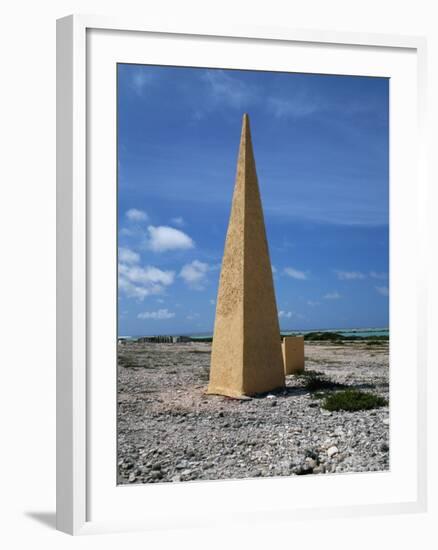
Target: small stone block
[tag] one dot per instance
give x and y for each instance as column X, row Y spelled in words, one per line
column 293, row 354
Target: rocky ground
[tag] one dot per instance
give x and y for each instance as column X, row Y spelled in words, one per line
column 170, row 430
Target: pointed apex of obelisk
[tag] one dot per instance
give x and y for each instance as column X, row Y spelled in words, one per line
column 246, row 133
column 245, row 162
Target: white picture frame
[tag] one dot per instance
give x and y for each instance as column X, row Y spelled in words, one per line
column 77, row 370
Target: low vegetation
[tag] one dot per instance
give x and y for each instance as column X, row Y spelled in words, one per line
column 339, row 397
column 352, row 400
column 323, row 337
column 127, row 362
column 318, row 382
column 335, row 337
column 375, row 342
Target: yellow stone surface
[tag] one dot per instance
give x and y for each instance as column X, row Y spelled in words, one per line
column 293, row 354
column 246, row 353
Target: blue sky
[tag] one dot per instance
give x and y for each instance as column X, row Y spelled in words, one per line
column 321, row 150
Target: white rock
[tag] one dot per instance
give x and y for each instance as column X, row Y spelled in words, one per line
column 270, row 396
column 386, row 421
column 332, row 451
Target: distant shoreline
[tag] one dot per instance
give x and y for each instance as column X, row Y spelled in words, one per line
column 358, row 333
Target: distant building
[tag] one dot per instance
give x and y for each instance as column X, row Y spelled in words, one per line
column 163, row 339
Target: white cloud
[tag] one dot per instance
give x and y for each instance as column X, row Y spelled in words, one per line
column 195, row 274
column 295, row 273
column 159, row 315
column 349, row 275
column 332, row 296
column 192, row 316
column 282, row 314
column 285, row 314
column 163, row 238
column 383, row 290
column 135, row 291
column 274, row 269
column 128, row 256
column 178, row 221
column 135, row 215
column 312, row 303
column 376, row 275
column 139, row 81
column 127, row 232
column 228, row 89
column 295, row 107
column 146, row 275
column 138, row 282
column 212, row 302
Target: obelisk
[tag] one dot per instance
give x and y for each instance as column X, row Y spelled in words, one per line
column 246, row 354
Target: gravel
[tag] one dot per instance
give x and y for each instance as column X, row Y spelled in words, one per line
column 169, row 430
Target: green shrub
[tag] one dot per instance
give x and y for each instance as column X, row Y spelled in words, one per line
column 308, row 373
column 340, row 338
column 323, row 336
column 316, row 381
column 375, row 342
column 318, row 395
column 353, row 400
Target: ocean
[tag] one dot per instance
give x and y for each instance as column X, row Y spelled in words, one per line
column 361, row 332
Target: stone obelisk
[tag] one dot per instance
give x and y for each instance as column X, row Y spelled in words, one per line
column 246, row 353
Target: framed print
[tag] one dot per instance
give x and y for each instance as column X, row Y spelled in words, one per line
column 240, row 281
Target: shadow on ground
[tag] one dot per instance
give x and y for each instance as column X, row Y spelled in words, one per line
column 45, row 518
